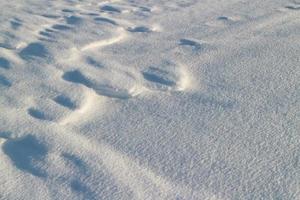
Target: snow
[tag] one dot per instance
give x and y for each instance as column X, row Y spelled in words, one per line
column 150, row 99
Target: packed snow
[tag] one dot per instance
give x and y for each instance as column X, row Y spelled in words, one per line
column 150, row 99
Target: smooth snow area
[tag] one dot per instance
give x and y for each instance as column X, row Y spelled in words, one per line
column 150, row 99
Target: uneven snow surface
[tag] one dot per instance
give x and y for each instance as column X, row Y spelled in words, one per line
column 149, row 99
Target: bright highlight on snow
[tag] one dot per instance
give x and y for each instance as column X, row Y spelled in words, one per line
column 149, row 99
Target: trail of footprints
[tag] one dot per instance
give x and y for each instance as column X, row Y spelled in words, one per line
column 110, row 82
column 99, row 80
column 5, row 63
column 102, row 81
column 107, row 81
column 164, row 76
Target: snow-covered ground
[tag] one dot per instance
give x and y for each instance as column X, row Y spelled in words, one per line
column 150, row 99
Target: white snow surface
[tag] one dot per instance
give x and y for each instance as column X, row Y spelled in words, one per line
column 150, row 99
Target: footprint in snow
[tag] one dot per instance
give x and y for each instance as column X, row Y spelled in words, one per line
column 65, row 101
column 103, row 89
column 110, row 9
column 73, row 20
column 167, row 76
column 26, row 153
column 38, row 114
column 140, row 29
column 34, row 50
column 4, row 81
column 105, row 20
column 4, row 63
column 16, row 23
column 293, row 7
column 190, row 43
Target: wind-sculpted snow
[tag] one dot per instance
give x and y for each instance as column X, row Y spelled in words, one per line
column 149, row 99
